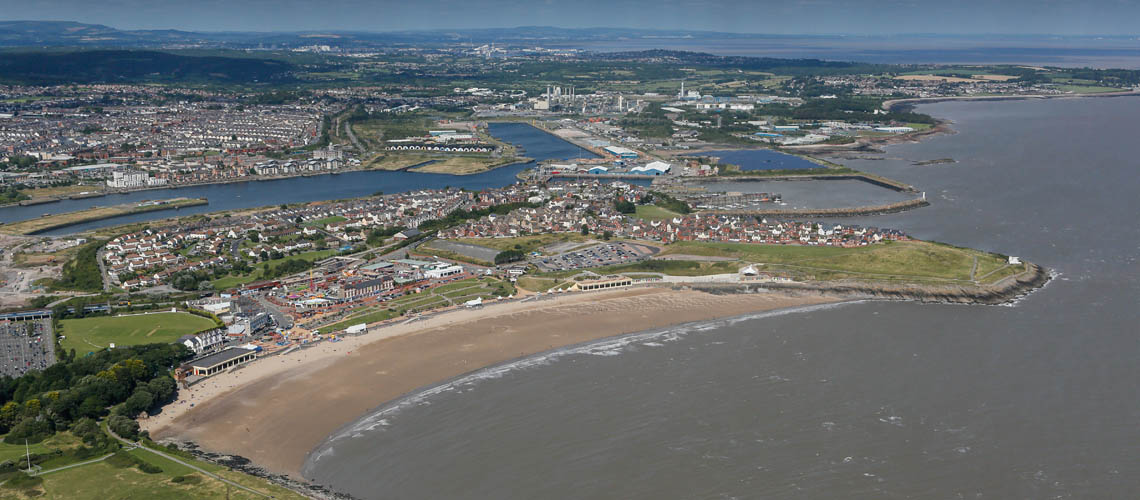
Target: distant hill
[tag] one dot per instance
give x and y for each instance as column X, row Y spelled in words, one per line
column 129, row 66
column 74, row 34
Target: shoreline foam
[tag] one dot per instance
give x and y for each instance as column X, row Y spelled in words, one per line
column 277, row 410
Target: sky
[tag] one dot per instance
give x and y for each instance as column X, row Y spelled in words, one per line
column 875, row 17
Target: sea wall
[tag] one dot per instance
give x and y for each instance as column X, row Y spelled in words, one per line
column 882, row 182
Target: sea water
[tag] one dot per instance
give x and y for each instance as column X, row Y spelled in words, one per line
column 875, row 400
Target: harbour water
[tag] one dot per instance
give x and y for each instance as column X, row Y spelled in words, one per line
column 539, row 145
column 760, row 159
column 815, row 194
column 876, row 400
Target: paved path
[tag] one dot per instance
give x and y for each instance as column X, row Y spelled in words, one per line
column 192, row 466
column 987, row 275
column 57, row 469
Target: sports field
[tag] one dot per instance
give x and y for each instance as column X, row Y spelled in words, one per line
column 89, row 334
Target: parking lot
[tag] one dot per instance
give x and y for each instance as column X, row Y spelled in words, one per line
column 602, row 255
column 26, row 345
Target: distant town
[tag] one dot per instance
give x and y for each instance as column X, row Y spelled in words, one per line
column 183, row 215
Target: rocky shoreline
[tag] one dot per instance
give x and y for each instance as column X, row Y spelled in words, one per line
column 246, row 466
column 1006, row 291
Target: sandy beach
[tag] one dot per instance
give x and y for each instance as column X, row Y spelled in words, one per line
column 277, row 409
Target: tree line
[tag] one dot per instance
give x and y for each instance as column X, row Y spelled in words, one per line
column 121, row 382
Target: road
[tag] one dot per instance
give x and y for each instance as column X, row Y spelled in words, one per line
column 352, row 137
column 103, row 269
column 281, row 319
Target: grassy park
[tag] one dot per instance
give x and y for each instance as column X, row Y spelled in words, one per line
column 235, row 280
column 326, row 221
column 441, row 296
column 654, row 212
column 89, row 334
column 114, row 478
column 526, row 244
column 896, row 261
column 59, row 441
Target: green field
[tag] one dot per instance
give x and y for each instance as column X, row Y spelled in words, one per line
column 450, row 294
column 326, row 221
column 654, row 212
column 373, row 316
column 88, row 334
column 59, row 441
column 235, row 280
column 525, row 244
column 232, row 281
column 103, row 480
column 449, row 255
column 901, row 260
column 534, row 284
column 674, row 268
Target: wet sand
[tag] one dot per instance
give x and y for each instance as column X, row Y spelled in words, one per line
column 276, row 410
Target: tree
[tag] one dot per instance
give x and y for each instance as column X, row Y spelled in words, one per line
column 92, row 407
column 625, row 206
column 87, row 430
column 507, row 256
column 139, row 402
column 32, row 407
column 163, row 389
column 31, row 429
column 585, row 230
column 125, row 427
column 10, row 414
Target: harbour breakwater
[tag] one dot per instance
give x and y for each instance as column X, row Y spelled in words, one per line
column 1003, row 292
column 882, row 182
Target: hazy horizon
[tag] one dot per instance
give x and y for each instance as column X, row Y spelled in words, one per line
column 795, row 17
